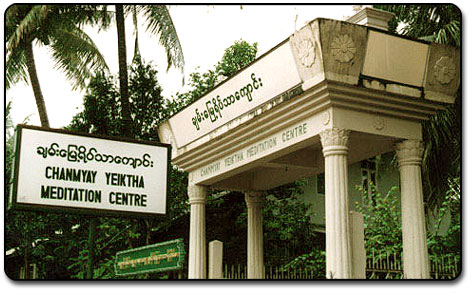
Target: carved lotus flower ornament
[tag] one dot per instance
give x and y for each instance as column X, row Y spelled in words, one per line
column 378, row 123
column 444, row 70
column 343, row 48
column 306, row 52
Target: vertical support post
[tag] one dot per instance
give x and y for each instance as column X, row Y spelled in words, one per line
column 414, row 241
column 357, row 245
column 215, row 266
column 90, row 248
column 255, row 236
column 197, row 258
column 338, row 242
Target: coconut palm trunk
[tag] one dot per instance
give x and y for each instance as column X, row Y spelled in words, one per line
column 123, row 79
column 35, row 84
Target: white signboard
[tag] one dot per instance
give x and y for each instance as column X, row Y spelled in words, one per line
column 270, row 76
column 56, row 169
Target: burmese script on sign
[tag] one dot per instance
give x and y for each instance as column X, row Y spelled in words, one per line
column 268, row 77
column 166, row 256
column 218, row 104
column 154, row 258
column 83, row 172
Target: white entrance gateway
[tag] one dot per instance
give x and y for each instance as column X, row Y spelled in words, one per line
column 332, row 94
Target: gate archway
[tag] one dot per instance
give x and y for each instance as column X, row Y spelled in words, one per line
column 332, row 94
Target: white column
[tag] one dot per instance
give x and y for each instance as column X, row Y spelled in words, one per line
column 255, row 237
column 338, row 242
column 414, row 241
column 197, row 258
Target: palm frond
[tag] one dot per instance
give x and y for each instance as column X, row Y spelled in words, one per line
column 75, row 54
column 449, row 33
column 433, row 22
column 430, row 38
column 27, row 25
column 159, row 23
column 15, row 68
column 136, row 32
column 8, row 119
column 12, row 19
column 94, row 15
column 441, row 157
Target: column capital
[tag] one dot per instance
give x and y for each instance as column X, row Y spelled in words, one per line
column 254, row 198
column 196, row 194
column 409, row 152
column 334, row 141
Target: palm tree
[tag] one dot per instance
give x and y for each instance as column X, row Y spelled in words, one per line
column 434, row 23
column 159, row 23
column 442, row 133
column 55, row 26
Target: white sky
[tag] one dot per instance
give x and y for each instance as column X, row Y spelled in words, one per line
column 204, row 32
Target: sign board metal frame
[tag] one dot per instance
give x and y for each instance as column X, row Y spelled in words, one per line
column 14, row 204
column 148, row 258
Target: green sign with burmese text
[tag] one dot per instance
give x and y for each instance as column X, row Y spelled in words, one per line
column 160, row 257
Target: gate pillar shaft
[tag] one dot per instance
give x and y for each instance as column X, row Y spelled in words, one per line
column 197, row 258
column 414, row 241
column 337, row 237
column 255, row 235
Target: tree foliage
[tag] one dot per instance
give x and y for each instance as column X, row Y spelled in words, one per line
column 56, row 26
column 102, row 115
column 159, row 23
column 32, row 237
column 383, row 229
column 59, row 28
column 381, row 213
column 287, row 224
column 57, row 243
column 447, row 243
column 60, row 241
column 429, row 22
column 236, row 57
column 102, row 104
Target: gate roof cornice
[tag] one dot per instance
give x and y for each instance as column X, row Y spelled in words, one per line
column 327, row 64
